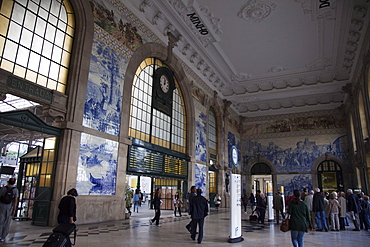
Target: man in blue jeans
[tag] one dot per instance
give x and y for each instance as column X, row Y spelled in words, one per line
column 319, row 208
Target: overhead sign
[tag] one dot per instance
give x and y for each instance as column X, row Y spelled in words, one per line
column 29, row 88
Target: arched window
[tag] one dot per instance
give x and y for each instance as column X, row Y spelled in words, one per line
column 212, row 137
column 212, row 150
column 361, row 107
column 36, row 40
column 330, row 176
column 157, row 109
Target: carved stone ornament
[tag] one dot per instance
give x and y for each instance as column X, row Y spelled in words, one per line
column 255, row 10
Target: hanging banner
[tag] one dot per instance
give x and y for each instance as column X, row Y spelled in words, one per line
column 235, row 209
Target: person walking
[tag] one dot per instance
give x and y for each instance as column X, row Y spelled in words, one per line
column 353, row 206
column 261, row 206
column 191, row 195
column 67, row 211
column 217, row 201
column 343, row 210
column 308, row 200
column 278, row 206
column 157, row 207
column 177, row 204
column 299, row 219
column 198, row 211
column 9, row 196
column 364, row 224
column 304, row 194
column 318, row 207
column 245, row 202
column 334, row 209
column 136, row 200
column 252, row 201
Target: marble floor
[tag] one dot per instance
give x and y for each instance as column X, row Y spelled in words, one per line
column 137, row 232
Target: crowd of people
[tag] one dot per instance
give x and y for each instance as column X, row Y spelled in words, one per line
column 315, row 210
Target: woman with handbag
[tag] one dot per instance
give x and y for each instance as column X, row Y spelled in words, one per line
column 177, row 203
column 299, row 219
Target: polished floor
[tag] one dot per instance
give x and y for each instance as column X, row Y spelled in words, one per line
column 137, row 232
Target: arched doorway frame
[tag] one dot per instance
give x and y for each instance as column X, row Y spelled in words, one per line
column 248, row 175
column 329, row 156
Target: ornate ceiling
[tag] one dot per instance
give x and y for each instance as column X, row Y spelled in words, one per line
column 266, row 57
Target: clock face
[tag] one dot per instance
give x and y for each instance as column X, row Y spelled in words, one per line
column 164, row 83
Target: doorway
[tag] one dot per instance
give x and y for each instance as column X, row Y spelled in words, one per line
column 260, row 177
column 330, row 177
column 148, row 185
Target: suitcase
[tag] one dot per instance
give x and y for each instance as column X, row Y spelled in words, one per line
column 253, row 216
column 66, row 229
column 55, row 240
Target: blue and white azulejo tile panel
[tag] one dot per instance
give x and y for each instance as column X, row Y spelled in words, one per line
column 201, row 137
column 103, row 103
column 97, row 166
column 294, row 182
column 297, row 154
column 201, row 178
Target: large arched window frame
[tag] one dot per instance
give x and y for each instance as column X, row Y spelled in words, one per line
column 212, row 132
column 149, row 124
column 330, row 176
column 36, row 40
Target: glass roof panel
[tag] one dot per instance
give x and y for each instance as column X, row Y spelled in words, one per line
column 13, row 102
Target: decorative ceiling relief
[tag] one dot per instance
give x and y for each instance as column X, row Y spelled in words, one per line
column 306, row 52
column 215, row 21
column 306, row 6
column 199, row 20
column 326, row 9
column 255, row 10
column 354, row 35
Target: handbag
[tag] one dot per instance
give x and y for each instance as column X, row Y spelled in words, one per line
column 284, row 227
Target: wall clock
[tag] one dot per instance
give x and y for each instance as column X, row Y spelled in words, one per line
column 163, row 86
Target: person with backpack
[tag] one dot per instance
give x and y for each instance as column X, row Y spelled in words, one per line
column 8, row 205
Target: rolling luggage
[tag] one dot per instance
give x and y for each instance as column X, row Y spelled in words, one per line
column 60, row 234
column 65, row 228
column 55, row 240
column 253, row 216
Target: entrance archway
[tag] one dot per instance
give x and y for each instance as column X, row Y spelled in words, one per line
column 261, row 175
column 329, row 176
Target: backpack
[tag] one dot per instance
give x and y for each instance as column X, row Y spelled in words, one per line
column 7, row 198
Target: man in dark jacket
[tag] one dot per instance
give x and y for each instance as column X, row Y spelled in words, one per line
column 354, row 208
column 191, row 195
column 319, row 208
column 261, row 206
column 278, row 206
column 198, row 211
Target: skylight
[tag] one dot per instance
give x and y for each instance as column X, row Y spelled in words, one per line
column 12, row 103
